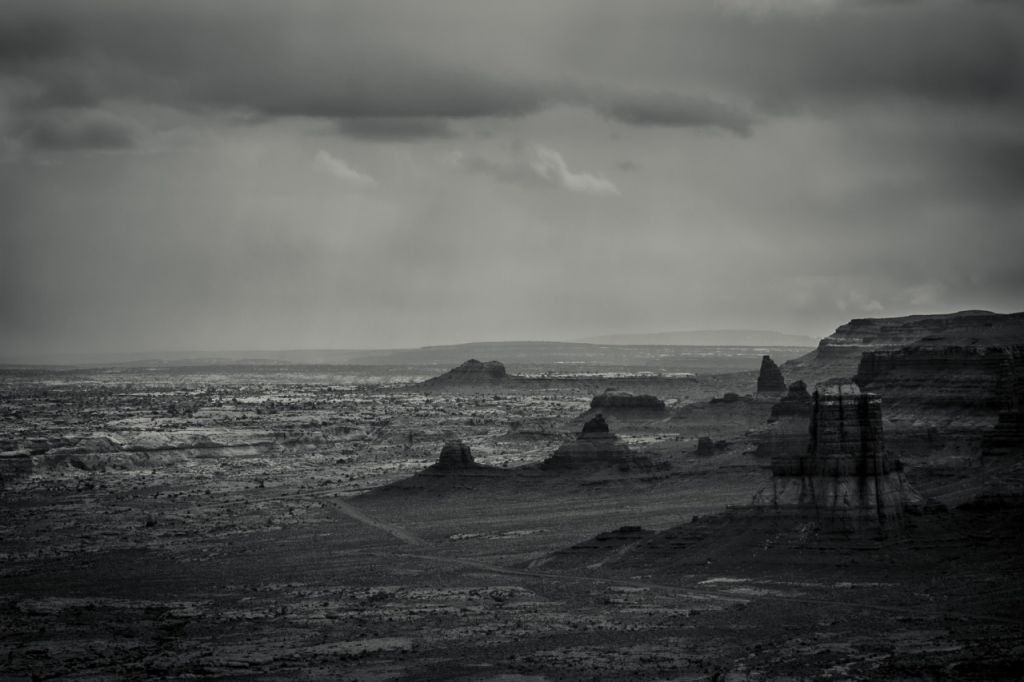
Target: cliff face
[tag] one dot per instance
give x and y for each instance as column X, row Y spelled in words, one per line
column 838, row 355
column 844, row 480
column 929, row 376
column 946, row 390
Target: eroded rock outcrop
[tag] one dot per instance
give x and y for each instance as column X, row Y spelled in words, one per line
column 613, row 401
column 471, row 373
column 770, row 379
column 844, row 481
column 596, row 428
column 595, row 446
column 455, row 456
column 796, row 403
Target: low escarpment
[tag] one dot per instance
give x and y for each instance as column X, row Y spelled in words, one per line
column 624, row 401
column 624, row 406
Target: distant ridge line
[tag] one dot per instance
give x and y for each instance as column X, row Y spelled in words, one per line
column 708, row 337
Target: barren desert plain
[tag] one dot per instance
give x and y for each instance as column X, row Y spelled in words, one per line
column 394, row 522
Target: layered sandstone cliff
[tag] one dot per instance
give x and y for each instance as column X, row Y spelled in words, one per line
column 838, row 355
column 844, row 481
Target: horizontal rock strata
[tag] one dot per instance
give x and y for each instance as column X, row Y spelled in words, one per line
column 843, row 481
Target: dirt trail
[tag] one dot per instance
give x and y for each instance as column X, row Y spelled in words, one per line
column 393, row 530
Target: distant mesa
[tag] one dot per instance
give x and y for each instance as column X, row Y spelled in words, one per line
column 455, row 456
column 623, row 401
column 711, row 337
column 770, row 380
column 472, row 373
column 844, row 481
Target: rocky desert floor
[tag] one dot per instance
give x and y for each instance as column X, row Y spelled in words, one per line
column 242, row 523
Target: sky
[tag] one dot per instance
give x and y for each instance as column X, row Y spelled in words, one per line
column 196, row 175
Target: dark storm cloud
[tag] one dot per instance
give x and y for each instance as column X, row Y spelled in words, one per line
column 33, row 39
column 675, row 111
column 79, row 130
column 941, row 52
column 398, row 129
column 879, row 139
column 358, row 61
column 987, row 166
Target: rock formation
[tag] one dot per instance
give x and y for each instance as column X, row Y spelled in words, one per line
column 595, row 445
column 455, row 456
column 946, row 372
column 796, row 403
column 770, row 380
column 624, row 402
column 844, row 480
column 788, row 424
column 594, row 428
column 838, row 355
column 471, row 373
